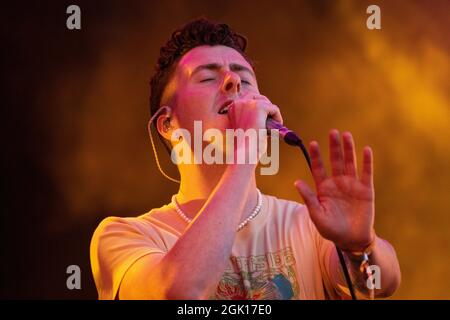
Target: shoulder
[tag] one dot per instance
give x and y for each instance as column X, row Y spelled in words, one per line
column 147, row 224
column 292, row 215
column 112, row 231
column 138, row 222
column 285, row 207
column 114, row 224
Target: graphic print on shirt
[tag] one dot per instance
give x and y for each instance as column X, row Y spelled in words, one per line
column 270, row 276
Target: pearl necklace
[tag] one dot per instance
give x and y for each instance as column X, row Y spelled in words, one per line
column 254, row 213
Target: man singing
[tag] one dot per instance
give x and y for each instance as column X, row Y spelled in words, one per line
column 220, row 237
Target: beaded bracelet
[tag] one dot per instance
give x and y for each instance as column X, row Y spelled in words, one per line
column 364, row 267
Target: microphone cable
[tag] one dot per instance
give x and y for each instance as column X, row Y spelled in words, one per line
column 294, row 140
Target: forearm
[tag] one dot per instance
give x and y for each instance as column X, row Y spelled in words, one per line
column 384, row 257
column 198, row 259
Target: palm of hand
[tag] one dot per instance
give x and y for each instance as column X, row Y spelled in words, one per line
column 343, row 208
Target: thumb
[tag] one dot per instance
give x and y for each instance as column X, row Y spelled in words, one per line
column 310, row 199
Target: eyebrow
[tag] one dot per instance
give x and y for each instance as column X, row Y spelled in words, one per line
column 215, row 67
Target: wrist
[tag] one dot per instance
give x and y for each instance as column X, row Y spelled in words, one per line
column 360, row 254
column 358, row 247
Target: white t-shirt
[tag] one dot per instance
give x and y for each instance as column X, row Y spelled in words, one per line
column 278, row 255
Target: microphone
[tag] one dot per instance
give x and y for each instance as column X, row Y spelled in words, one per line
column 289, row 136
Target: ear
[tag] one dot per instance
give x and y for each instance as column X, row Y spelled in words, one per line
column 164, row 124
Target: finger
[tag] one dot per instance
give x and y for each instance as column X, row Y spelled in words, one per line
column 255, row 96
column 277, row 116
column 310, row 198
column 274, row 112
column 336, row 157
column 367, row 168
column 349, row 155
column 318, row 170
column 261, row 97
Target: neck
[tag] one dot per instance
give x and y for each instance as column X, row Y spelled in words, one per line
column 197, row 184
column 198, row 181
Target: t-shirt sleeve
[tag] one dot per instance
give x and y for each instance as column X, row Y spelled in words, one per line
column 116, row 244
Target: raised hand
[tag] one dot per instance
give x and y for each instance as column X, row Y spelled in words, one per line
column 343, row 208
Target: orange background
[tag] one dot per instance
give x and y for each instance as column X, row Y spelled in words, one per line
column 78, row 149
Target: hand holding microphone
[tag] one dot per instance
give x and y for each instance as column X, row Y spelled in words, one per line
column 251, row 112
column 268, row 116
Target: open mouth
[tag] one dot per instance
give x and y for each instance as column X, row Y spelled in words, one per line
column 225, row 107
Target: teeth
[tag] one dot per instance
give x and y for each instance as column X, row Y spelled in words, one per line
column 224, row 110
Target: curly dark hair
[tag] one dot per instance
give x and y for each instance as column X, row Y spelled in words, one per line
column 195, row 33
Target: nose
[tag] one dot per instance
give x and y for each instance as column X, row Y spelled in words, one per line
column 231, row 83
